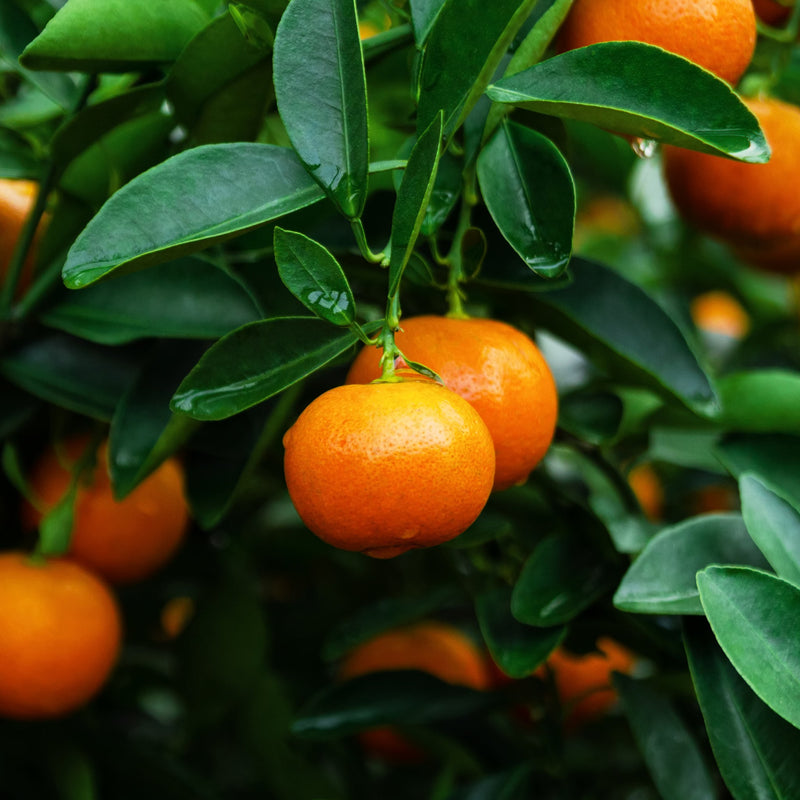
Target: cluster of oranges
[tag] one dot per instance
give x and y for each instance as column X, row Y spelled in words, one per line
column 382, row 467
column 60, row 624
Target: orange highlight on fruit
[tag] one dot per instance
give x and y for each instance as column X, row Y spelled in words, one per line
column 494, row 366
column 123, row 540
column 388, row 467
column 720, row 312
column 60, row 634
column 17, row 198
column 649, row 490
column 434, row 647
column 719, row 35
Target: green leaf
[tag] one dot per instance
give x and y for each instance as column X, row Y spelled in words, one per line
column 528, row 189
column 311, row 273
column 639, row 90
column 321, row 91
column 762, row 401
column 190, row 201
column 517, row 649
column 615, row 322
column 669, row 749
column 71, row 374
column 412, row 200
column 55, row 529
column 774, row 526
column 407, row 697
column 773, row 458
column 114, row 35
column 16, row 157
column 465, row 47
column 143, row 430
column 513, row 785
column 258, row 361
column 423, row 15
column 184, row 299
column 564, row 575
column 594, row 416
column 749, row 612
column 662, row 579
column 756, row 750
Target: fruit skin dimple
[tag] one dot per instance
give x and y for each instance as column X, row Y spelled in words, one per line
column 719, row 35
column 386, row 467
column 497, row 369
column 60, row 634
column 753, row 207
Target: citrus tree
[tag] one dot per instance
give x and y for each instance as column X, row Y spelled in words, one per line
column 399, row 399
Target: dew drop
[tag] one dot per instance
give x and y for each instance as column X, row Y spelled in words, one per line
column 644, row 148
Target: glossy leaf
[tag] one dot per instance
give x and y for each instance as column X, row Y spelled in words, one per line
column 71, row 374
column 184, row 299
column 762, row 401
column 773, row 458
column 465, row 47
column 423, row 15
column 662, row 579
column 412, row 200
column 445, row 194
column 616, row 323
column 774, row 526
column 620, row 86
column 408, row 697
column 311, row 273
column 669, row 749
column 516, row 648
column 564, row 575
column 756, row 750
column 321, row 92
column 528, row 189
column 748, row 611
column 190, row 201
column 258, row 361
column 594, row 416
column 114, row 35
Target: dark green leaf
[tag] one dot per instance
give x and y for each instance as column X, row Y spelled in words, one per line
column 465, row 47
column 774, row 458
column 614, row 321
column 756, row 750
column 55, row 529
column 412, row 200
column 749, row 612
column 258, row 361
column 423, row 15
column 669, row 749
column 407, row 697
column 16, row 157
column 70, row 373
column 322, row 96
column 528, row 189
column 774, row 526
column 594, row 416
column 489, row 526
column 114, row 35
column 16, row 407
column 639, row 90
column 662, row 579
column 763, row 401
column 196, row 198
column 184, row 299
column 517, row 649
column 564, row 575
column 514, row 785
column 445, row 194
column 311, row 273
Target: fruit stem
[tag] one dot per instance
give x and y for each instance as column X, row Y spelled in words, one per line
column 386, row 338
column 361, row 239
column 455, row 294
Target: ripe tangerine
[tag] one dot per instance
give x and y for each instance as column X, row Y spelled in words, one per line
column 60, row 634
column 497, row 369
column 387, row 467
column 17, row 198
column 123, row 540
column 719, row 35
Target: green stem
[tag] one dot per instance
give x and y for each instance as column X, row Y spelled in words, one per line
column 361, row 239
column 455, row 295
column 386, row 337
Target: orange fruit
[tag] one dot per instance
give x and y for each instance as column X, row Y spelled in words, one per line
column 583, row 682
column 719, row 35
column 720, row 312
column 175, row 615
column 433, row 647
column 771, row 12
column 387, row 467
column 123, row 540
column 753, row 207
column 649, row 491
column 60, row 634
column 16, row 201
column 494, row 366
column 604, row 216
